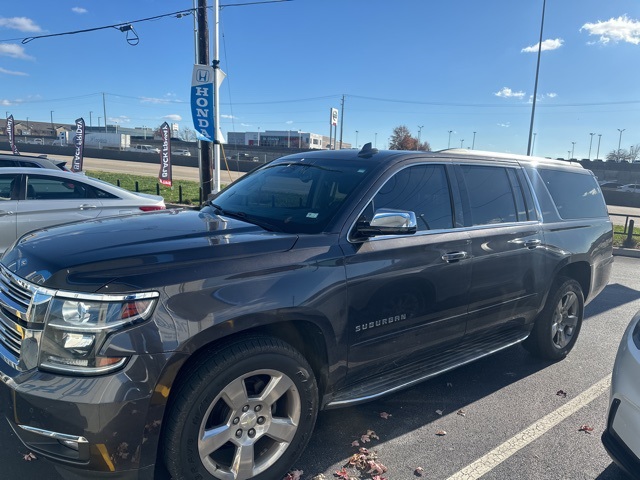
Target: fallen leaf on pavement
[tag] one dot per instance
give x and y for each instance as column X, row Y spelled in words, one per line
column 561, row 393
column 385, row 415
column 418, row 471
column 294, row 475
column 441, row 433
column 27, row 457
column 585, row 429
column 462, row 413
column 439, row 412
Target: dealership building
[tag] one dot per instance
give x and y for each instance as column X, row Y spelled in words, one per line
column 281, row 139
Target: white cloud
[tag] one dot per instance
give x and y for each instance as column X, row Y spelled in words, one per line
column 174, row 117
column 23, row 24
column 289, row 122
column 546, row 45
column 9, row 72
column 543, row 96
column 228, row 117
column 504, row 125
column 621, row 29
column 5, row 103
column 154, row 100
column 120, row 120
column 506, row 92
column 13, row 51
column 79, row 10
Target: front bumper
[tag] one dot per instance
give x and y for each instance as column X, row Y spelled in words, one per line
column 97, row 427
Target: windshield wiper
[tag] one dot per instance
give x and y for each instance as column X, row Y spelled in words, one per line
column 245, row 218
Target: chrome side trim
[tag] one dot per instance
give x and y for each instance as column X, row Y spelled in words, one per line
column 54, row 435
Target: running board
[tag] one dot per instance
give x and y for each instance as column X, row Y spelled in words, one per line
column 430, row 366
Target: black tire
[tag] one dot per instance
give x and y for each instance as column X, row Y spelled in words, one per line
column 557, row 326
column 221, row 413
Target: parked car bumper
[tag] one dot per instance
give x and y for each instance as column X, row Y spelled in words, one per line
column 622, row 435
column 91, row 427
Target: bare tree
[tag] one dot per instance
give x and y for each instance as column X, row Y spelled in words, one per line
column 618, row 155
column 401, row 139
column 187, row 134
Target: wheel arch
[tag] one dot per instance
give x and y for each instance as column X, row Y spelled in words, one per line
column 579, row 271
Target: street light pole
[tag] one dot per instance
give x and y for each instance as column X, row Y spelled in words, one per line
column 449, row 144
column 90, row 120
column 420, row 127
column 598, row 151
column 53, row 130
column 590, row 142
column 573, row 147
column 620, row 139
column 356, row 138
column 473, row 143
column 535, row 88
column 461, row 142
column 99, row 121
column 375, row 141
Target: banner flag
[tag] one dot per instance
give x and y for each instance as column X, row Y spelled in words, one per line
column 78, row 156
column 11, row 135
column 202, row 101
column 165, row 155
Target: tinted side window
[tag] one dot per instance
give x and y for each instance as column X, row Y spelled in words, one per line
column 8, row 187
column 422, row 189
column 576, row 195
column 7, row 163
column 29, row 164
column 42, row 188
column 491, row 196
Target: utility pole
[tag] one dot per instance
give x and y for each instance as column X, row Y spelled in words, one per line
column 598, row 152
column 217, row 79
column 104, row 112
column 203, row 59
column 341, row 120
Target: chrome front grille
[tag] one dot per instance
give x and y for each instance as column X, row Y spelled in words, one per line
column 15, row 295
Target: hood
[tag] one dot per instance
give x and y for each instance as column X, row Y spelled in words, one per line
column 86, row 256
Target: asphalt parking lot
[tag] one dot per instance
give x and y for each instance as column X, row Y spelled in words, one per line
column 502, row 415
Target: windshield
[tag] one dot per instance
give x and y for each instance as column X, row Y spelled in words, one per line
column 293, row 197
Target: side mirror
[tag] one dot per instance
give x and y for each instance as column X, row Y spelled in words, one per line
column 386, row 221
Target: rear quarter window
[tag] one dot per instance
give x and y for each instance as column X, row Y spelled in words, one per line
column 575, row 194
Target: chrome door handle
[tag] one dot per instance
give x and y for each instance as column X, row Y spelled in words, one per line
column 454, row 256
column 531, row 244
column 87, row 206
column 4, row 213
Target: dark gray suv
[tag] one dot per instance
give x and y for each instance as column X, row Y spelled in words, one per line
column 206, row 341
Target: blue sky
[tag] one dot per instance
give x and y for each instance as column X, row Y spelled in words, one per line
column 457, row 65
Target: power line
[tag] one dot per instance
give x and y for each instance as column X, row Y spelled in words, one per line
column 126, row 27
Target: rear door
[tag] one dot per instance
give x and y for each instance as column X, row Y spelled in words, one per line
column 51, row 200
column 9, row 188
column 407, row 293
column 508, row 267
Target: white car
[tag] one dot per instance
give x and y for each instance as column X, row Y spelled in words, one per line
column 38, row 198
column 631, row 187
column 621, row 438
column 144, row 149
column 183, row 152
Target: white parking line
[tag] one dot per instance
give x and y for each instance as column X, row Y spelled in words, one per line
column 520, row 440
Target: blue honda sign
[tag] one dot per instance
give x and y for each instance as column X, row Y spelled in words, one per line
column 202, row 101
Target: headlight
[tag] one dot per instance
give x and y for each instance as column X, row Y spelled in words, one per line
column 76, row 327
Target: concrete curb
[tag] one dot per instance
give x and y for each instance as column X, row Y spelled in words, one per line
column 626, row 252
